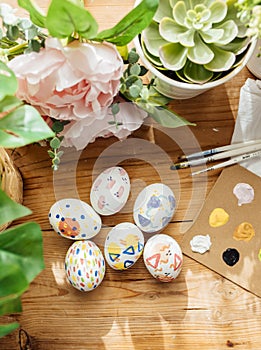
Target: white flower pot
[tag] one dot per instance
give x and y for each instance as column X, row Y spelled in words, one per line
column 181, row 90
column 254, row 62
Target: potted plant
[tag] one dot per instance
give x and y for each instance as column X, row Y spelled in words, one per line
column 192, row 46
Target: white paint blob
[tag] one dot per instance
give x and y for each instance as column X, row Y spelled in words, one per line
column 200, row 244
column 244, row 193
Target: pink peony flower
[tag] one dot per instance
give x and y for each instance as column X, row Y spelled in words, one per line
column 80, row 133
column 71, row 82
column 77, row 83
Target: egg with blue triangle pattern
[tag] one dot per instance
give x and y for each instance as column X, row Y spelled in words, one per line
column 123, row 246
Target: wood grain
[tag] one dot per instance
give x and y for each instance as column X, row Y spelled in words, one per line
column 131, row 311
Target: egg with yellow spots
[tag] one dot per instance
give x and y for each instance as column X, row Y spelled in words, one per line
column 84, row 265
column 74, row 219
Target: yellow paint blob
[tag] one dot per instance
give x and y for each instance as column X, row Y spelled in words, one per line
column 218, row 217
column 244, row 232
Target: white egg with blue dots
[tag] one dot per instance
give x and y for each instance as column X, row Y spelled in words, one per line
column 74, row 219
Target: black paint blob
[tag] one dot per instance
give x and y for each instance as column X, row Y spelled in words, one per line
column 230, row 256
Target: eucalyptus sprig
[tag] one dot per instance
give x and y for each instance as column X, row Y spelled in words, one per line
column 146, row 96
column 18, row 35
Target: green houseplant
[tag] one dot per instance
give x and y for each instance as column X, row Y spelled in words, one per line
column 21, row 256
column 197, row 44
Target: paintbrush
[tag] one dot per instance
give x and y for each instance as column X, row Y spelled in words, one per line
column 231, row 161
column 218, row 156
column 218, row 150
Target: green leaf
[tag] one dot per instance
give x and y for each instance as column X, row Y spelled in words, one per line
column 115, row 108
column 12, row 304
column 134, row 91
column 222, row 61
column 164, row 116
column 64, row 18
column 10, row 210
column 155, row 98
column 8, row 328
column 131, row 25
column 8, row 83
column 173, row 56
column 55, row 143
column 12, row 33
column 8, row 103
column 152, row 39
column 133, row 57
column 51, row 154
column 57, row 126
column 197, row 73
column 36, row 15
column 135, row 69
column 22, row 246
column 13, row 283
column 23, row 126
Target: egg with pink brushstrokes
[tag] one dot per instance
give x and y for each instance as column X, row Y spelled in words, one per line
column 110, row 191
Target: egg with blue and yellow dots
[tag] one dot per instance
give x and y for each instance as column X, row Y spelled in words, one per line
column 74, row 219
column 84, row 265
column 154, row 208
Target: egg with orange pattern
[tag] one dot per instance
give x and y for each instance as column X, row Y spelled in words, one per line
column 74, row 219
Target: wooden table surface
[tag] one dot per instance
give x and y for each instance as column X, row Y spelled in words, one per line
column 200, row 310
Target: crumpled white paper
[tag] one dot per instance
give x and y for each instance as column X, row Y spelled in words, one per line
column 248, row 122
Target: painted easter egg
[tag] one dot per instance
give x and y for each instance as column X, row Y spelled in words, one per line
column 154, row 208
column 84, row 265
column 163, row 257
column 110, row 191
column 74, row 219
column 123, row 246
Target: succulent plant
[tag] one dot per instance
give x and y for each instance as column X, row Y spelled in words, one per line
column 198, row 40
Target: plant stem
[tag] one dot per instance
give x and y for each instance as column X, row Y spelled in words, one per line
column 16, row 48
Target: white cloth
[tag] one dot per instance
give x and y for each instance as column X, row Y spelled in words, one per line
column 248, row 122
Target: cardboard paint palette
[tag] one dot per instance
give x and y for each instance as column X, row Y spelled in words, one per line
column 246, row 271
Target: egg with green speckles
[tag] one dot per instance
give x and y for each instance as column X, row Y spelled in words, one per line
column 74, row 219
column 84, row 265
